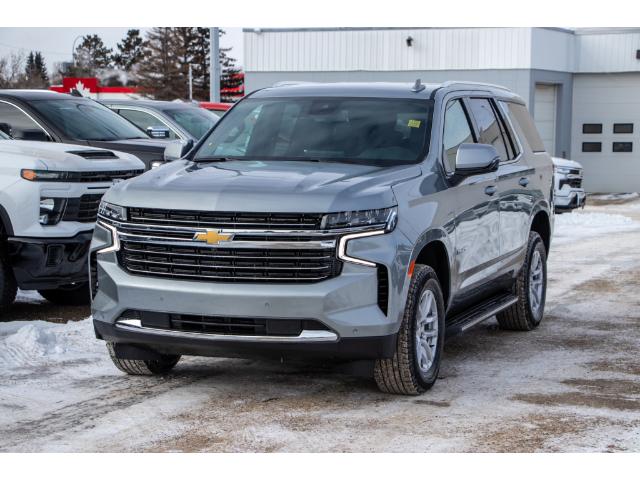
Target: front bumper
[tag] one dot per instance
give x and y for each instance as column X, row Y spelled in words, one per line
column 569, row 199
column 47, row 263
column 347, row 305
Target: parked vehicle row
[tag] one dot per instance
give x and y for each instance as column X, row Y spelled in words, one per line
column 49, row 198
column 341, row 221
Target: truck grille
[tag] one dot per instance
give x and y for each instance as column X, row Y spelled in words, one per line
column 228, row 265
column 237, row 220
column 83, row 209
column 572, row 182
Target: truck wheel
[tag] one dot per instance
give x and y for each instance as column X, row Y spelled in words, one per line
column 143, row 367
column 531, row 289
column 8, row 286
column 416, row 362
column 75, row 294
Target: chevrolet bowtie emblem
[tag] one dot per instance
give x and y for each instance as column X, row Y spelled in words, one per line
column 212, row 237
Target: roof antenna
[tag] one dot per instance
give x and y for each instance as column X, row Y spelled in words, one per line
column 418, row 86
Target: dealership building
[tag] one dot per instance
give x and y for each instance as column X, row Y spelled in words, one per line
column 582, row 86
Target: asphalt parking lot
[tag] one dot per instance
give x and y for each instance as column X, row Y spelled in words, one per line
column 571, row 385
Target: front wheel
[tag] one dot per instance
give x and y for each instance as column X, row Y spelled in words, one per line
column 74, row 294
column 143, row 367
column 530, row 288
column 416, row 362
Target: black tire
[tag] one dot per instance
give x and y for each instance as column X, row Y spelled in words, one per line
column 77, row 294
column 401, row 374
column 143, row 367
column 8, row 285
column 521, row 316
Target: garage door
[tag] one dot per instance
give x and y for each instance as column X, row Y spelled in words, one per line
column 544, row 112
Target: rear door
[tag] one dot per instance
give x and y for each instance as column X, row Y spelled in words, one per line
column 477, row 215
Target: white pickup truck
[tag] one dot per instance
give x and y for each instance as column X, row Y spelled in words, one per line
column 49, row 197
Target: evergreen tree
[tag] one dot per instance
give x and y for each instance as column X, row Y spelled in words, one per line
column 159, row 70
column 90, row 56
column 35, row 71
column 41, row 68
column 130, row 51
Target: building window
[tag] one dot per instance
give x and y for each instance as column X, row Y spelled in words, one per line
column 623, row 128
column 591, row 128
column 591, row 147
column 622, row 147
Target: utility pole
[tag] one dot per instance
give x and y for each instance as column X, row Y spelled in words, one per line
column 214, row 65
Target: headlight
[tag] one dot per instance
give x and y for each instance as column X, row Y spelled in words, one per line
column 112, row 212
column 386, row 218
column 43, row 175
column 51, row 210
column 562, row 170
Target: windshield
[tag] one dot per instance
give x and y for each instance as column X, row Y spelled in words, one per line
column 86, row 120
column 363, row 130
column 194, row 120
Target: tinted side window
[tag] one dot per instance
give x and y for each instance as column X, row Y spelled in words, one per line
column 520, row 115
column 18, row 124
column 144, row 120
column 488, row 126
column 456, row 132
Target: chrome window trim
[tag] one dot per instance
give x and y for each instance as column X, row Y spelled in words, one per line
column 30, row 118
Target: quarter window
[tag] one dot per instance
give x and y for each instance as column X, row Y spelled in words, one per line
column 456, row 132
column 144, row 120
column 16, row 123
column 489, row 128
column 591, row 128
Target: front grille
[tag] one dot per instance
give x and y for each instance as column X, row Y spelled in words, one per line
column 236, row 220
column 223, row 325
column 83, row 209
column 227, row 264
column 100, row 176
column 572, row 182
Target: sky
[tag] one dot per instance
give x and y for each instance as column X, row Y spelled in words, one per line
column 56, row 43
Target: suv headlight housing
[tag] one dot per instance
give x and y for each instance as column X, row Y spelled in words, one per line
column 51, row 210
column 386, row 218
column 112, row 212
column 563, row 170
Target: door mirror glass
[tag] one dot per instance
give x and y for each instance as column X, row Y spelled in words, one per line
column 177, row 149
column 158, row 132
column 476, row 158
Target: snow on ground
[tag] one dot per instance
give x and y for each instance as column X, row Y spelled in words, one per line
column 571, row 385
column 615, row 196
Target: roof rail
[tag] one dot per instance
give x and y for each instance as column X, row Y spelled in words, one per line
column 288, row 83
column 451, row 83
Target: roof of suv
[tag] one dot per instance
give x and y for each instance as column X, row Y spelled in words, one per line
column 32, row 94
column 376, row 89
column 161, row 104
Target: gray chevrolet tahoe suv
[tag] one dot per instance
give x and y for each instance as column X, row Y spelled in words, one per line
column 349, row 221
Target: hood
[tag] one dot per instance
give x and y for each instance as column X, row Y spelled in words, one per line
column 563, row 162
column 147, row 149
column 263, row 186
column 62, row 156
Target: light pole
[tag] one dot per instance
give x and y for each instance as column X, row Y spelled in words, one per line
column 214, row 64
column 73, row 50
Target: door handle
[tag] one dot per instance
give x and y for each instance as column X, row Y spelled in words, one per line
column 490, row 190
column 524, row 181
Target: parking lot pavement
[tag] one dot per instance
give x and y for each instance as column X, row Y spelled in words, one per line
column 571, row 385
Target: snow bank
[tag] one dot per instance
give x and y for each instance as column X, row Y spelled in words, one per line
column 616, row 196
column 576, row 225
column 34, row 343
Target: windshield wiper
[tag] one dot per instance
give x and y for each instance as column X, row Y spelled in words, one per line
column 213, row 159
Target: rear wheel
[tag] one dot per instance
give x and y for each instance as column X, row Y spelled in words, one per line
column 8, row 285
column 74, row 294
column 143, row 367
column 531, row 289
column 416, row 362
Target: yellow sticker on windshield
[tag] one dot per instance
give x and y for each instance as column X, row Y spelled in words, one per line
column 414, row 123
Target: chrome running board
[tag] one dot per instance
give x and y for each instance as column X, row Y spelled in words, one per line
column 306, row 336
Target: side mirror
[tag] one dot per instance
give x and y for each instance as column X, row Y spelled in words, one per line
column 177, row 149
column 158, row 132
column 6, row 128
column 476, row 158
